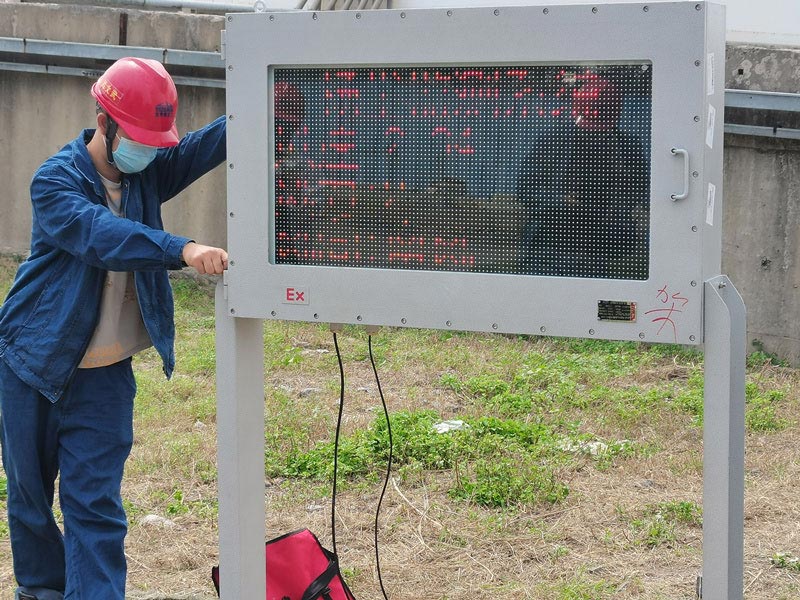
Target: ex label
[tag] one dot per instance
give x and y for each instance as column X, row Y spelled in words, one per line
column 295, row 295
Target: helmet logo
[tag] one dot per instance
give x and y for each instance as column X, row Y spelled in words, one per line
column 164, row 110
column 111, row 92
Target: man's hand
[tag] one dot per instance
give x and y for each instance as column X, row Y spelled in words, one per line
column 206, row 260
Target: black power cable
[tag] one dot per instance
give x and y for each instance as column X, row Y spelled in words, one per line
column 336, row 442
column 336, row 454
column 388, row 466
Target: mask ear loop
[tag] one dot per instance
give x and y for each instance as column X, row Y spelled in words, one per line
column 111, row 133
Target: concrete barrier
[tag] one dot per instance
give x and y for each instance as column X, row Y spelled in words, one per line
column 761, row 217
column 41, row 112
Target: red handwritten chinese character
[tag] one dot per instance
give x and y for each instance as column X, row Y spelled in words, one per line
column 665, row 315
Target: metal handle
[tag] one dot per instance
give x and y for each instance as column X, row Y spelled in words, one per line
column 685, row 154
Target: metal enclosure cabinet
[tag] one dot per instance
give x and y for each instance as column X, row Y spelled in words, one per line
column 544, row 169
column 478, row 198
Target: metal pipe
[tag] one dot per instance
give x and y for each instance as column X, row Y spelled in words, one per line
column 48, row 48
column 762, row 100
column 196, row 5
column 94, row 74
column 761, row 131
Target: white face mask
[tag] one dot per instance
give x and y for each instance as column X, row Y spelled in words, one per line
column 133, row 157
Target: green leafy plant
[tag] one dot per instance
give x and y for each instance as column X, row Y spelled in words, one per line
column 579, row 587
column 654, row 530
column 690, row 399
column 506, row 484
column 785, row 560
column 177, row 505
column 679, row 511
column 658, row 524
column 761, row 412
column 761, row 357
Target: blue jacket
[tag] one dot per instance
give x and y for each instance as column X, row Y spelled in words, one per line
column 51, row 311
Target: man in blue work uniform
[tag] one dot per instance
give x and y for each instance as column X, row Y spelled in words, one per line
column 93, row 292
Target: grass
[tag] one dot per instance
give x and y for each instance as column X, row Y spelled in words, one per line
column 574, row 470
column 661, row 524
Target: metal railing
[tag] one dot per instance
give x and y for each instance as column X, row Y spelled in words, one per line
column 31, row 55
column 209, row 6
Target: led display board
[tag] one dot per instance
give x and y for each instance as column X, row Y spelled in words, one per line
column 521, row 169
column 530, row 169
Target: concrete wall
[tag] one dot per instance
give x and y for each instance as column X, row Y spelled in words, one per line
column 40, row 113
column 761, row 238
column 761, row 219
column 761, row 251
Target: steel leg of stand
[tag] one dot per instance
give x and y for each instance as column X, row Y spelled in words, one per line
column 723, row 442
column 240, row 453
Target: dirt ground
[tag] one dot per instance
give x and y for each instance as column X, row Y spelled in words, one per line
column 434, row 548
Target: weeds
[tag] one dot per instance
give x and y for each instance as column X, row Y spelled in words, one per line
column 580, row 588
column 659, row 523
column 497, row 462
column 761, row 357
column 785, row 560
column 678, row 511
column 762, row 408
column 515, row 503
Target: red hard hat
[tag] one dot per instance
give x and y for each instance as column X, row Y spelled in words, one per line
column 140, row 96
column 596, row 104
column 289, row 102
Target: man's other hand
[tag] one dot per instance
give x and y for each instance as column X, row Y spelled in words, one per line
column 206, row 260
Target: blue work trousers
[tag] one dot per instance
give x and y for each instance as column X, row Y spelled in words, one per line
column 85, row 437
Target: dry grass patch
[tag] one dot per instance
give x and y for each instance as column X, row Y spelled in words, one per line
column 608, row 436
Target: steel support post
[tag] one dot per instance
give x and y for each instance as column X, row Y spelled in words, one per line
column 723, row 442
column 240, row 453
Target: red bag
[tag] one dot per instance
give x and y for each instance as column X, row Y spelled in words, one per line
column 299, row 568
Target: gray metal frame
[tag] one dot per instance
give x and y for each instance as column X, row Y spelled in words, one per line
column 686, row 237
column 723, row 442
column 240, row 452
column 685, row 244
column 240, row 435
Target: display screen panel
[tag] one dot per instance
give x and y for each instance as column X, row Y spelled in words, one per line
column 524, row 169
